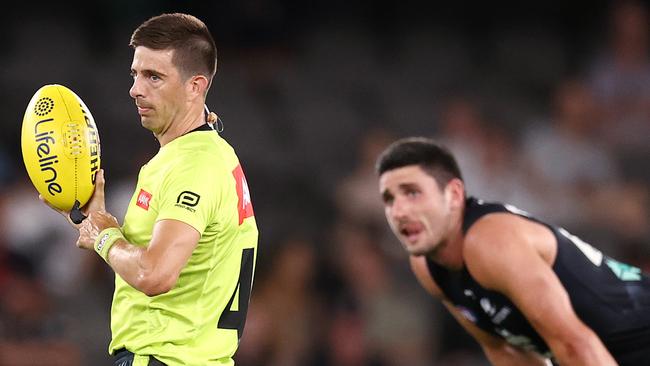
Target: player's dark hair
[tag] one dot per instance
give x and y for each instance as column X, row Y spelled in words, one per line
column 433, row 158
column 194, row 50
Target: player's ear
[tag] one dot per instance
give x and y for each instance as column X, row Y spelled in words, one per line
column 455, row 193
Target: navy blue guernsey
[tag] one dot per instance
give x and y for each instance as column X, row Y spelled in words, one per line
column 611, row 297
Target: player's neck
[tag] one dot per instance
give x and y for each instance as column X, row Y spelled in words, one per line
column 188, row 122
column 450, row 252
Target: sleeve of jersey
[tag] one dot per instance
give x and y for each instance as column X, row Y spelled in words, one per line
column 189, row 194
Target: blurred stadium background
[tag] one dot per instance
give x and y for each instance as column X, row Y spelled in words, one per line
column 547, row 106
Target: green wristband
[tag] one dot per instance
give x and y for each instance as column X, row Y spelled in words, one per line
column 105, row 241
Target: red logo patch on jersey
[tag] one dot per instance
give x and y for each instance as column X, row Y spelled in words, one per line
column 143, row 199
column 244, row 206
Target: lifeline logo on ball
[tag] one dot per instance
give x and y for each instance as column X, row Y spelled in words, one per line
column 46, row 159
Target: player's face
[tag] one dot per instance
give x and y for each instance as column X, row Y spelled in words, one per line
column 158, row 89
column 417, row 210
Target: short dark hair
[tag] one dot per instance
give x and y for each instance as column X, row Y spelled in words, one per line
column 194, row 50
column 432, row 157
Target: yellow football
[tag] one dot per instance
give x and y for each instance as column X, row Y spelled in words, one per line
column 60, row 146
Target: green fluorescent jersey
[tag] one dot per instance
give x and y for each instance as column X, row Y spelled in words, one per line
column 196, row 179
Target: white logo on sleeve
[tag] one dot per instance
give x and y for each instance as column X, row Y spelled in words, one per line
column 246, row 194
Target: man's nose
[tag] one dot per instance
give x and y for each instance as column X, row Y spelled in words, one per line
column 398, row 210
column 135, row 90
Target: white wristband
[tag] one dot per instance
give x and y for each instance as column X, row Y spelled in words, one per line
column 105, row 241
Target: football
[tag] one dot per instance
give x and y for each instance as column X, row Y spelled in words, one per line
column 60, row 147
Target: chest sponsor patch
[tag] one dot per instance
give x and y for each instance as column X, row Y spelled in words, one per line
column 144, row 198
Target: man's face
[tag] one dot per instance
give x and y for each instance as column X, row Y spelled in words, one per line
column 417, row 210
column 158, row 89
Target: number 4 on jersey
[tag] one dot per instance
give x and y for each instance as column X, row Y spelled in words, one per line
column 235, row 319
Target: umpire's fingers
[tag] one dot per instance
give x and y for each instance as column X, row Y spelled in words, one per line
column 96, row 202
column 62, row 212
column 85, row 240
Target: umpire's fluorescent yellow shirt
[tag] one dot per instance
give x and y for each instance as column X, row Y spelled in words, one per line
column 197, row 179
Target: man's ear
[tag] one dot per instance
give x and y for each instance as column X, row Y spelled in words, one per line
column 198, row 85
column 455, row 193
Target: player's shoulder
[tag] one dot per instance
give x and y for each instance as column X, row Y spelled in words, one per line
column 498, row 231
column 205, row 142
column 503, row 240
column 200, row 150
column 493, row 239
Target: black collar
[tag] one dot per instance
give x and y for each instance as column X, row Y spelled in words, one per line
column 203, row 127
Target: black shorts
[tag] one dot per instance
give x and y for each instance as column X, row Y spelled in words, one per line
column 125, row 358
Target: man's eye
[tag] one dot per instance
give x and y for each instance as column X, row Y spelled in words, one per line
column 154, row 78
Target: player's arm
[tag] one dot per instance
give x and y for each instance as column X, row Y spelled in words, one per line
column 153, row 269
column 499, row 352
column 501, row 255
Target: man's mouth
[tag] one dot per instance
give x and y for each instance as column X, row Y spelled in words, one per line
column 411, row 230
column 143, row 108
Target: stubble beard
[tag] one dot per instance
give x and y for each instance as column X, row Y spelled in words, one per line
column 428, row 251
column 435, row 251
